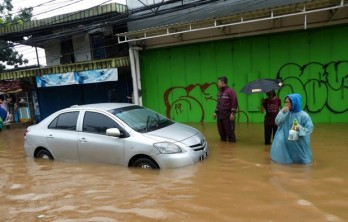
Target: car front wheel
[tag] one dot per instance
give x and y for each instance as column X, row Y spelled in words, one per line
column 44, row 154
column 145, row 163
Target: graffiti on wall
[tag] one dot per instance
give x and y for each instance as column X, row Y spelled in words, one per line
column 193, row 102
column 181, row 100
column 322, row 85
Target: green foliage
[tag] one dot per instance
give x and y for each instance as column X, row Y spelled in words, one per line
column 8, row 55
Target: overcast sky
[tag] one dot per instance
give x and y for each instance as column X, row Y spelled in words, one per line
column 49, row 8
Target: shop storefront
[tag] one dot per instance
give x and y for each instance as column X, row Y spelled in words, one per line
column 16, row 99
column 59, row 91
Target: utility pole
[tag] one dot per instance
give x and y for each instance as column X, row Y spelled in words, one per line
column 37, row 57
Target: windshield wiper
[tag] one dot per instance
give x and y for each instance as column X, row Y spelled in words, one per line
column 147, row 123
column 158, row 120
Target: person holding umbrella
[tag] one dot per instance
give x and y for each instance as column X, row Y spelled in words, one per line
column 227, row 105
column 271, row 105
column 287, row 148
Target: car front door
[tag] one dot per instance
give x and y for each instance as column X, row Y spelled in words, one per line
column 93, row 143
column 61, row 136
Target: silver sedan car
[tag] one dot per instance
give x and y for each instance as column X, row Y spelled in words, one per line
column 115, row 133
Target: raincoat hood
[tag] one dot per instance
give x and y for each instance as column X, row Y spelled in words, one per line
column 296, row 102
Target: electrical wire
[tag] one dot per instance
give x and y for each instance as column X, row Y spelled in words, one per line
column 111, row 20
column 49, row 10
column 121, row 20
column 48, row 3
column 96, row 25
column 63, row 6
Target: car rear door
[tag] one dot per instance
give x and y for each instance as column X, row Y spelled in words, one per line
column 93, row 143
column 61, row 136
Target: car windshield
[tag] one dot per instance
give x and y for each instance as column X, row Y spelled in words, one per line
column 141, row 119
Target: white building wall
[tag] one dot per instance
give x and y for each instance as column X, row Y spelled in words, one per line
column 81, row 46
column 52, row 51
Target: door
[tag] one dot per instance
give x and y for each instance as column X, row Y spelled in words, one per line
column 62, row 136
column 93, row 143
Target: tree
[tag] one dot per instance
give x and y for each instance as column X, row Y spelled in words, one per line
column 8, row 54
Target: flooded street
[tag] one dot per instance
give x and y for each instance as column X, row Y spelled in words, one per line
column 237, row 182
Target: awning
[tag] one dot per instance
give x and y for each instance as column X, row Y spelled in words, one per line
column 15, row 32
column 72, row 67
column 11, row 86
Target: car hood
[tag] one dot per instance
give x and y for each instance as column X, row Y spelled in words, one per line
column 174, row 133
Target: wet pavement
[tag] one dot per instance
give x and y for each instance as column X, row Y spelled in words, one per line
column 237, row 182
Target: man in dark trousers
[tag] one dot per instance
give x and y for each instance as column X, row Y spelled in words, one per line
column 271, row 105
column 226, row 108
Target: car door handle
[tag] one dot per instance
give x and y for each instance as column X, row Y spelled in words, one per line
column 83, row 140
column 50, row 136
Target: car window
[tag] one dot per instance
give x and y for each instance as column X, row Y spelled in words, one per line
column 65, row 121
column 98, row 123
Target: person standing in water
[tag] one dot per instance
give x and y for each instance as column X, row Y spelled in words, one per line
column 271, row 105
column 226, row 108
column 284, row 149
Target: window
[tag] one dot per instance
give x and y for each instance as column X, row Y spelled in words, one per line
column 67, row 52
column 98, row 123
column 65, row 121
column 97, row 46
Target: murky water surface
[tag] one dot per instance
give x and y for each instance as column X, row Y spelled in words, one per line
column 237, row 182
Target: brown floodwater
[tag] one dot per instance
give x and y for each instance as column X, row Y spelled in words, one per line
column 237, row 182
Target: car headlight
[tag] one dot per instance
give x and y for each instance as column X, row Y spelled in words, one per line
column 167, row 147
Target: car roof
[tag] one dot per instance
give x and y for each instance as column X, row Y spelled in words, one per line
column 102, row 106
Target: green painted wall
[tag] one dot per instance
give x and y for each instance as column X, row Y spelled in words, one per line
column 180, row 82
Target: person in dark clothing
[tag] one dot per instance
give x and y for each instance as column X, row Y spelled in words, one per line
column 3, row 116
column 114, row 96
column 226, row 108
column 11, row 107
column 271, row 105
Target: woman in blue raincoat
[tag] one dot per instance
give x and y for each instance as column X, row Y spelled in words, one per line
column 287, row 151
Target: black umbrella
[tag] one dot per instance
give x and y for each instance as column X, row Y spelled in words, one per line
column 261, row 86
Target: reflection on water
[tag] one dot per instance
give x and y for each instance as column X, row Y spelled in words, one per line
column 237, row 182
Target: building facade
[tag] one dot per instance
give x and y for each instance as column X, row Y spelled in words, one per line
column 85, row 63
column 169, row 55
column 185, row 50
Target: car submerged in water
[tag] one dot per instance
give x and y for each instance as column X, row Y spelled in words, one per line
column 115, row 133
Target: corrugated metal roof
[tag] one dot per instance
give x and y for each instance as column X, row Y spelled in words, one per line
column 236, row 13
column 206, row 10
column 73, row 67
column 59, row 19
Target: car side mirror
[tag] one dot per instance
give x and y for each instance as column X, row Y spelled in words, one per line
column 113, row 132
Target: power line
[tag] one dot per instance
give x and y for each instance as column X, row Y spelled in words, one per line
column 115, row 19
column 70, row 14
column 110, row 20
column 48, row 3
column 60, row 7
column 42, row 4
column 68, row 34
